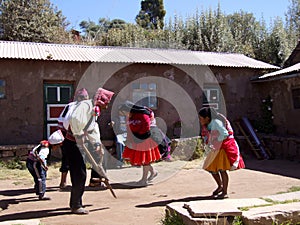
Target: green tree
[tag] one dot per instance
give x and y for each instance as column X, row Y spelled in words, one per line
column 32, row 21
column 277, row 46
column 293, row 23
column 208, row 31
column 151, row 15
column 94, row 33
column 117, row 24
column 244, row 28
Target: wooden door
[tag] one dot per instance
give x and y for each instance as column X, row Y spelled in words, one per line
column 56, row 96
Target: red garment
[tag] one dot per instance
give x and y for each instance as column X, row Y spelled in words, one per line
column 139, row 123
column 229, row 145
column 143, row 153
column 140, row 152
column 233, row 153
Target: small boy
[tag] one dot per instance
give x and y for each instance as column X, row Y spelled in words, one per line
column 37, row 164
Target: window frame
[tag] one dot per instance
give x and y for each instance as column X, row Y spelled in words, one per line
column 206, row 97
column 3, row 85
column 296, row 98
column 141, row 90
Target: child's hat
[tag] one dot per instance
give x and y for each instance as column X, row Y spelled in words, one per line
column 44, row 143
column 56, row 138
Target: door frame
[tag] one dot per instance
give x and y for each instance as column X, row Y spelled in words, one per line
column 53, row 106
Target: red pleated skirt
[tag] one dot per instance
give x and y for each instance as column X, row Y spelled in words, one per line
column 142, row 153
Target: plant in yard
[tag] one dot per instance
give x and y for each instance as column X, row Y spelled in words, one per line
column 291, row 189
column 14, row 163
column 265, row 123
column 172, row 219
column 237, row 220
column 199, row 150
column 288, row 222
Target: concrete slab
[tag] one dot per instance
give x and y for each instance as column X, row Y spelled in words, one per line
column 177, row 208
column 216, row 208
column 209, row 208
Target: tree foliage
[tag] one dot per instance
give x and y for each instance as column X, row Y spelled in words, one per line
column 292, row 18
column 151, row 15
column 31, row 21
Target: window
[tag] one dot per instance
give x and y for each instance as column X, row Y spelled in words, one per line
column 211, row 97
column 145, row 94
column 296, row 98
column 2, row 89
column 58, row 93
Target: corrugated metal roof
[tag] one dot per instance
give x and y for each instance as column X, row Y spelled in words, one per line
column 80, row 53
column 288, row 70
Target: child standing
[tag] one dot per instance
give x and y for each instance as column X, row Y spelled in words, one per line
column 224, row 152
column 37, row 162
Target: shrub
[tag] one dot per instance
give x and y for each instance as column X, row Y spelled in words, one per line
column 14, row 163
column 172, row 219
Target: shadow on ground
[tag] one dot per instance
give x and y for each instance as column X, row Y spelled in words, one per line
column 275, row 166
column 165, row 202
column 38, row 214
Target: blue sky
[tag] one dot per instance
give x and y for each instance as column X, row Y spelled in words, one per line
column 78, row 10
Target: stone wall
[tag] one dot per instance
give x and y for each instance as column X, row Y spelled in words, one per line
column 8, row 152
column 283, row 147
column 287, row 148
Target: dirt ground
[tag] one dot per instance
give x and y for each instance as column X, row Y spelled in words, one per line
column 177, row 181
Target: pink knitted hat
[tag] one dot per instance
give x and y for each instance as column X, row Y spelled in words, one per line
column 102, row 97
column 82, row 93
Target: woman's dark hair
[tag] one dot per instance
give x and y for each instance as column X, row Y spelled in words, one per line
column 211, row 113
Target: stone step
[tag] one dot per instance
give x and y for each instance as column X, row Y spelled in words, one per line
column 265, row 210
column 211, row 211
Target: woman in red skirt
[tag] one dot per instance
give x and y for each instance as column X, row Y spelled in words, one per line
column 140, row 149
column 223, row 154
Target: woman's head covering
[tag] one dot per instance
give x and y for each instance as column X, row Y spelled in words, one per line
column 56, row 138
column 81, row 94
column 102, row 97
column 129, row 106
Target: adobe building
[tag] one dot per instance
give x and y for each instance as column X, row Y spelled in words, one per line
column 283, row 88
column 38, row 79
